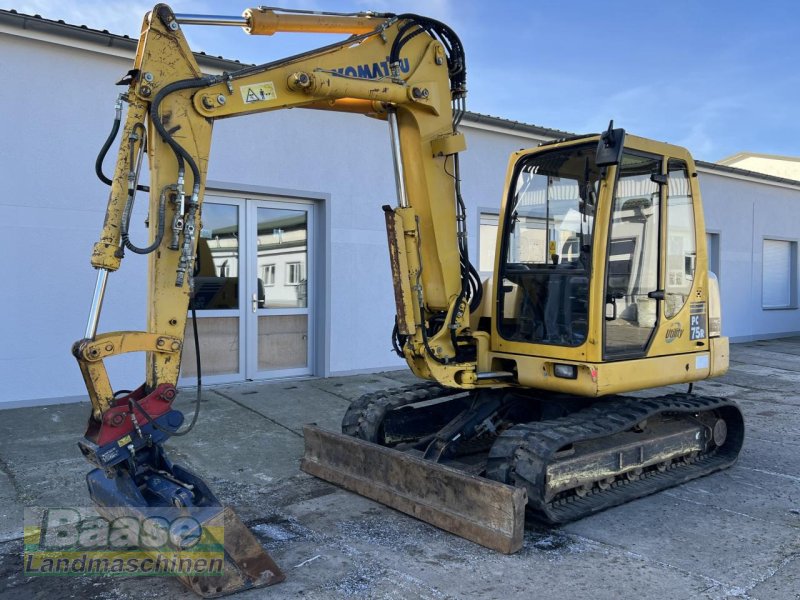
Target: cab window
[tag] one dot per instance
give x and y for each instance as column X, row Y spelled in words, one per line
column 681, row 250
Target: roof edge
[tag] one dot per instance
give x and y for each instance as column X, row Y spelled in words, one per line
column 519, row 126
column 742, row 155
column 745, row 173
column 104, row 38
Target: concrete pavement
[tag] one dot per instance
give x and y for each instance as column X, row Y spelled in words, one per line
column 735, row 534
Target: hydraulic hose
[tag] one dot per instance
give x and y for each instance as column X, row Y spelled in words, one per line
column 98, row 163
column 421, row 302
column 180, row 152
column 451, row 42
column 162, row 217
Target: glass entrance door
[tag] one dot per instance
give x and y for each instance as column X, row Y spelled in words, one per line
column 278, row 320
column 218, row 295
column 253, row 291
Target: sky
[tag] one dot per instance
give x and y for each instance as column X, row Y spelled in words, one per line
column 716, row 76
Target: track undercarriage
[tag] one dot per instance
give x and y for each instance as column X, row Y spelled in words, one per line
column 572, row 456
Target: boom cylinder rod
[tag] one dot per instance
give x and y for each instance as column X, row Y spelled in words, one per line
column 399, row 176
column 268, row 21
column 97, row 304
column 219, row 20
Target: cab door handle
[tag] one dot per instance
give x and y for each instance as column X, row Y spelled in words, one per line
column 255, row 302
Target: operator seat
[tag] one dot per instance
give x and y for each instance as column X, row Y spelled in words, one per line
column 566, row 291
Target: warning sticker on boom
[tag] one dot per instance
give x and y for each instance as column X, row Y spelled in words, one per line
column 258, row 92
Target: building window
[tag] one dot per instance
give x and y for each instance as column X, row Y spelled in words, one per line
column 269, row 275
column 293, row 273
column 712, row 247
column 779, row 274
column 487, row 241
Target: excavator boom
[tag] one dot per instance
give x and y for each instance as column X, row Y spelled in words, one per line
column 601, row 288
column 405, row 69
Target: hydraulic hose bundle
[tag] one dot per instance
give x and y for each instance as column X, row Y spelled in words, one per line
column 471, row 288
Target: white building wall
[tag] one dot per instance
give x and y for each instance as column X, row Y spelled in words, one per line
column 745, row 212
column 347, row 157
column 55, row 117
column 53, row 208
column 58, row 107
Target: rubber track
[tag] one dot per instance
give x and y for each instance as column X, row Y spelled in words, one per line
column 365, row 414
column 521, row 454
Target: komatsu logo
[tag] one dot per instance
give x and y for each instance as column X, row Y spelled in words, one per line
column 375, row 70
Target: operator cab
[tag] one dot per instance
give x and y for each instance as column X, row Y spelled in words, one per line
column 546, row 257
column 600, row 242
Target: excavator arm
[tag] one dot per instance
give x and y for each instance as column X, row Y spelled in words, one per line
column 404, row 69
column 383, row 70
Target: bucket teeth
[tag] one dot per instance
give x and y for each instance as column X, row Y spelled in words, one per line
column 246, row 564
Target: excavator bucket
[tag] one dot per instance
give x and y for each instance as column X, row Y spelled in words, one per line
column 139, row 481
column 244, row 563
column 486, row 512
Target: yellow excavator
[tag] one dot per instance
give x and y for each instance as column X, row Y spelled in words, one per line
column 600, row 288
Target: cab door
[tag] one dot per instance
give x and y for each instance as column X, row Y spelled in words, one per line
column 655, row 300
column 633, row 288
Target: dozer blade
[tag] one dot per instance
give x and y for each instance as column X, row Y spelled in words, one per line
column 245, row 564
column 486, row 512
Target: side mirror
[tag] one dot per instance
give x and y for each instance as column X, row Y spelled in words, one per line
column 609, row 148
column 659, row 179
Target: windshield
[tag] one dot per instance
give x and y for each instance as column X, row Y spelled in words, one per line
column 552, row 214
column 546, row 261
